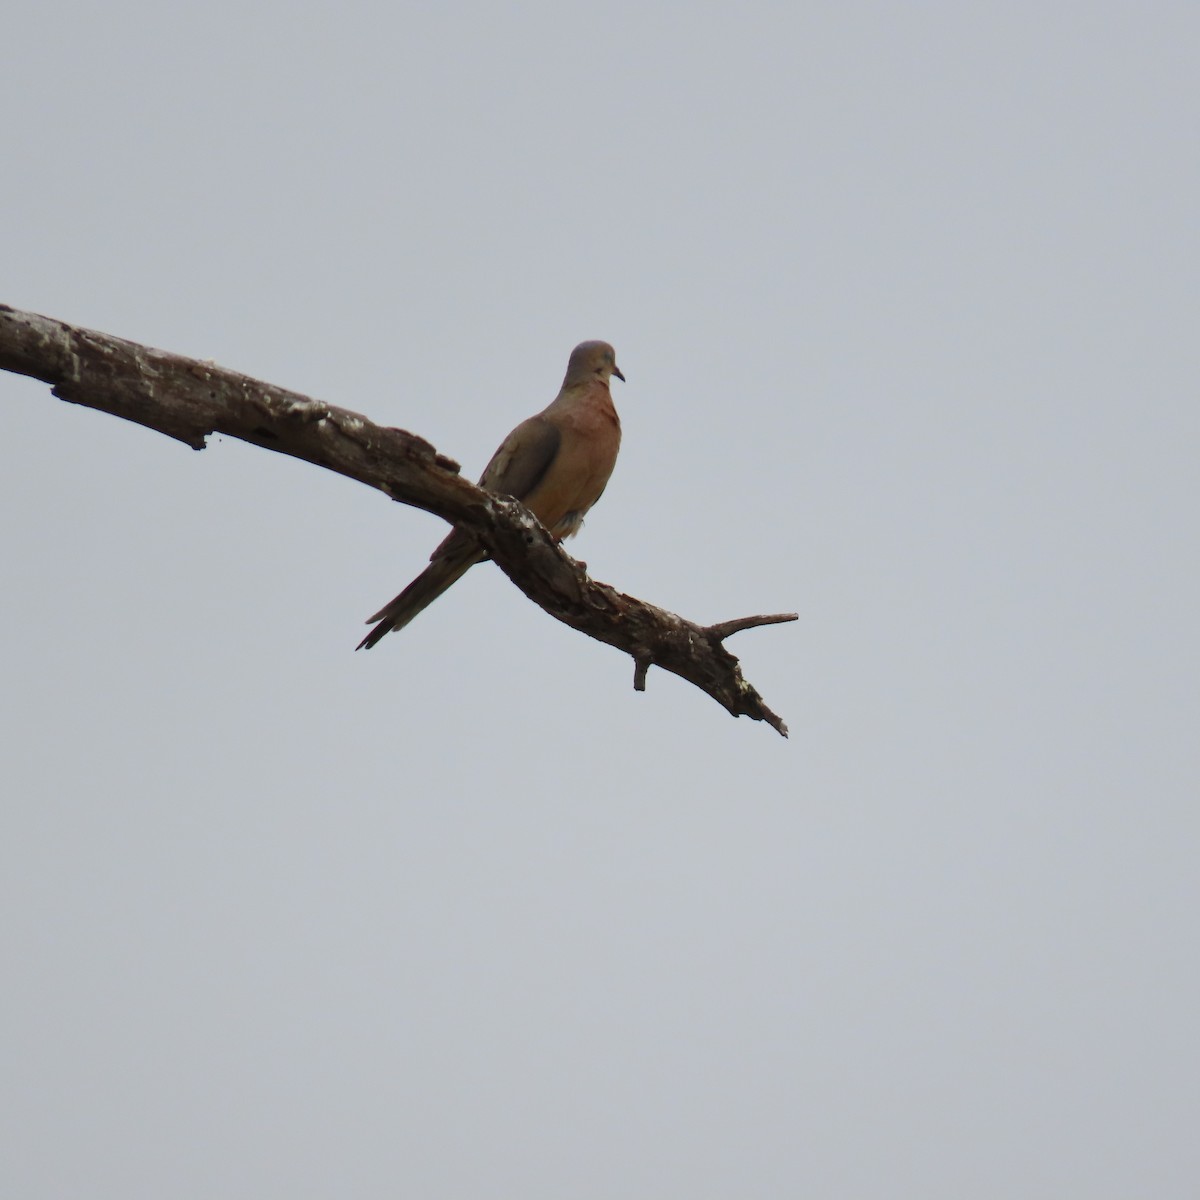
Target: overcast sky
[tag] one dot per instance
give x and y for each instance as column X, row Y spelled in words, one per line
column 907, row 298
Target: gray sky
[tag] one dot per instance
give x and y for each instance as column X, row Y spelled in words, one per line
column 907, row 301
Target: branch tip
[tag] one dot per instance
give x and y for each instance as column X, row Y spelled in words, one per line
column 724, row 629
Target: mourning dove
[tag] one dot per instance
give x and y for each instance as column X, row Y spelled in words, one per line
column 556, row 463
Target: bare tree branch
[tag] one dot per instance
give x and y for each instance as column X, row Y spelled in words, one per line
column 188, row 400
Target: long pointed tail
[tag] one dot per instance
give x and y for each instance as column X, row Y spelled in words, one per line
column 441, row 574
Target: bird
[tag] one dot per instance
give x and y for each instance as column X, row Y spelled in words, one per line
column 556, row 463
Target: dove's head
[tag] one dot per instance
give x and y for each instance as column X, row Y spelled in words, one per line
column 592, row 360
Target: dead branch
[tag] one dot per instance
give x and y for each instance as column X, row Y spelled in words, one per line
column 187, row 399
